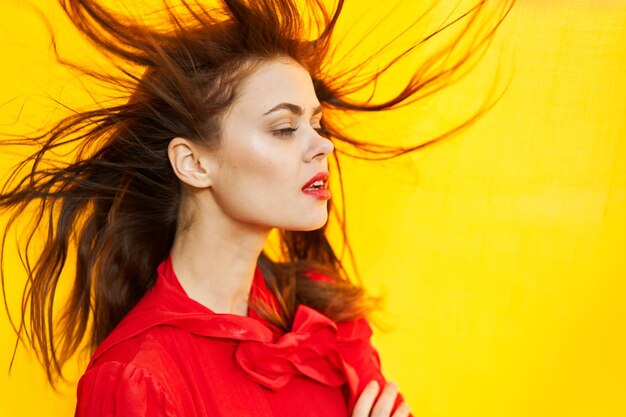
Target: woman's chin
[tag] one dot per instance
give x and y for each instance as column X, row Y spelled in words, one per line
column 308, row 226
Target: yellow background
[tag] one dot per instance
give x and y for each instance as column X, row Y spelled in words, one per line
column 501, row 252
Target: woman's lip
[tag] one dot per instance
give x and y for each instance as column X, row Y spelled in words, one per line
column 319, row 176
column 323, row 194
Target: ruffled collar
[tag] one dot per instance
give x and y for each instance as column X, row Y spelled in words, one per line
column 316, row 347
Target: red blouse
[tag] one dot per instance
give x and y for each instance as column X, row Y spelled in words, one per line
column 171, row 356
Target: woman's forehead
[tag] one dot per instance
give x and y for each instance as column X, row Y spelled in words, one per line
column 276, row 86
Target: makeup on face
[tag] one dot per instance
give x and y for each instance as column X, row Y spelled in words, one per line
column 273, row 167
column 317, row 186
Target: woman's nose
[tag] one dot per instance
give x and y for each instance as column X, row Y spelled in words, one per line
column 320, row 146
column 327, row 145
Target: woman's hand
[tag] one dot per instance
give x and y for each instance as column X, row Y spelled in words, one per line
column 365, row 407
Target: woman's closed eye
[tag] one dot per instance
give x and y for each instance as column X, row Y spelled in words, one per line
column 287, row 131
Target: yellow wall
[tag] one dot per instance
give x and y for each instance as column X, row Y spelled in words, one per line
column 500, row 252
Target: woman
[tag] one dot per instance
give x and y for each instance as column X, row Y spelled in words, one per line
column 170, row 200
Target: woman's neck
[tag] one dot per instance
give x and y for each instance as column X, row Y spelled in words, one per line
column 215, row 263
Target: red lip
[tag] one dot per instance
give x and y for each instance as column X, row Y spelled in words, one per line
column 322, row 193
column 319, row 176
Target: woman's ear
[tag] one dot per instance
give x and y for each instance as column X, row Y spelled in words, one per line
column 191, row 163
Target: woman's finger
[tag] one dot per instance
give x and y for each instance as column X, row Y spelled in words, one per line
column 385, row 402
column 364, row 404
column 403, row 410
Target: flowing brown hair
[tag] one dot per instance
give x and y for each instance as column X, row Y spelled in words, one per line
column 115, row 204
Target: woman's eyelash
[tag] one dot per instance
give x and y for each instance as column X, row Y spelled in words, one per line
column 288, row 131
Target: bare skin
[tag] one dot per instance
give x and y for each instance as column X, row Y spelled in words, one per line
column 367, row 406
column 251, row 184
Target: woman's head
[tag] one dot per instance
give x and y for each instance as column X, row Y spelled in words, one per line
column 191, row 101
column 256, row 170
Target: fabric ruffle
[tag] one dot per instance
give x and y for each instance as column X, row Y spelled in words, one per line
column 310, row 349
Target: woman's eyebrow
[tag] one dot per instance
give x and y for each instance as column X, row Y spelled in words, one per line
column 294, row 108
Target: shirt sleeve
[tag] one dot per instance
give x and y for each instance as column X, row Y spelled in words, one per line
column 354, row 338
column 362, row 359
column 116, row 389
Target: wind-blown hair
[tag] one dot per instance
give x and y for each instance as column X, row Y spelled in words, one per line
column 115, row 204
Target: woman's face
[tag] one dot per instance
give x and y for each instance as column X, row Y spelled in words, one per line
column 270, row 150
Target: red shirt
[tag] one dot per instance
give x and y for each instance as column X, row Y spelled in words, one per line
column 173, row 357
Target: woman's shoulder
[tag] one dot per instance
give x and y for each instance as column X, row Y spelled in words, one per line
column 129, row 377
column 147, row 351
column 114, row 389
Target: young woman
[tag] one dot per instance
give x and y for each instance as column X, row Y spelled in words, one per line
column 227, row 124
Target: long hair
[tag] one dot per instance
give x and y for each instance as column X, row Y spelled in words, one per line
column 112, row 209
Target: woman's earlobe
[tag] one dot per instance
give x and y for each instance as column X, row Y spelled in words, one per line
column 188, row 163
